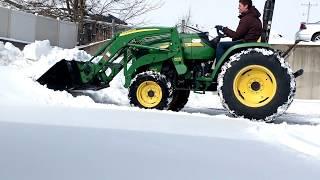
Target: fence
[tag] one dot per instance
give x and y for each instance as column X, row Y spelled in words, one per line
column 96, row 31
column 28, row 27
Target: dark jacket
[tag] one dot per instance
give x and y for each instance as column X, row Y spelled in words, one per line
column 249, row 29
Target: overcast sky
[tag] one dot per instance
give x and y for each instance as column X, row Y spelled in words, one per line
column 208, row 13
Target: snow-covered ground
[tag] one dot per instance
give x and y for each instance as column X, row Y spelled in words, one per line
column 52, row 135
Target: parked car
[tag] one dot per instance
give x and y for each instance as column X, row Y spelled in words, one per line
column 309, row 32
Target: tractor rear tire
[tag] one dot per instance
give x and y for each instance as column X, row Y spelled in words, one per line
column 179, row 100
column 256, row 84
column 150, row 90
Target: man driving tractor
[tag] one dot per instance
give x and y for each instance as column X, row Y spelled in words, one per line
column 249, row 28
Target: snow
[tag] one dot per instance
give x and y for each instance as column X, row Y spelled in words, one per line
column 198, row 148
column 9, row 54
column 35, row 50
column 48, row 134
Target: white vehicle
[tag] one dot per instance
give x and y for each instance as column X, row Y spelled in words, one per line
column 309, row 32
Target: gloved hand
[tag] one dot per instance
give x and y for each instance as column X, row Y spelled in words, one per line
column 219, row 28
column 220, row 31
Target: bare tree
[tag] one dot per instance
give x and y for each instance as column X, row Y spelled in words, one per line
column 125, row 10
column 51, row 8
column 75, row 10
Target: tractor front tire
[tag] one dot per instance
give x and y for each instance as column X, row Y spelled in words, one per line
column 256, row 84
column 150, row 90
column 179, row 100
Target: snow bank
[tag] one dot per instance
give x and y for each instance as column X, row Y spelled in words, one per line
column 301, row 138
column 19, row 90
column 35, row 50
column 20, row 70
column 10, row 54
column 87, row 143
column 116, row 94
column 43, row 56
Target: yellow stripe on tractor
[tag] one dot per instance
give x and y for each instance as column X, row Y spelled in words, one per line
column 197, row 44
column 136, row 31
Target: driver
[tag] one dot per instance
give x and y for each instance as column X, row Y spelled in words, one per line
column 249, row 28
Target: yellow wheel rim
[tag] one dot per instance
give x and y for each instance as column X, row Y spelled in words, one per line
column 255, row 86
column 149, row 94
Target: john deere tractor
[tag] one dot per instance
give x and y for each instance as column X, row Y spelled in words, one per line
column 162, row 65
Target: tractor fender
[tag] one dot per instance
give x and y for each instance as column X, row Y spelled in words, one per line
column 233, row 50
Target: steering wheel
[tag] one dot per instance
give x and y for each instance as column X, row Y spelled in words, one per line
column 220, row 33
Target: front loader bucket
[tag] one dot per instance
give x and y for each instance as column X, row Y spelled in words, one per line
column 64, row 75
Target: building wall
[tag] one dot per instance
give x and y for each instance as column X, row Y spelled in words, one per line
column 28, row 27
column 306, row 57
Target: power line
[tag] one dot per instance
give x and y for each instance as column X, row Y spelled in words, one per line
column 309, row 5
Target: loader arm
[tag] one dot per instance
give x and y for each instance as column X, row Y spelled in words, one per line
column 139, row 47
column 114, row 49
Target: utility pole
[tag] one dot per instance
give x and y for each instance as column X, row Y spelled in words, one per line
column 309, row 5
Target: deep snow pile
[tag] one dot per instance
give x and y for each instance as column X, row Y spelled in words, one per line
column 28, row 65
column 9, row 54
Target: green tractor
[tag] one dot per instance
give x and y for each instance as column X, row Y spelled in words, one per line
column 162, row 65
